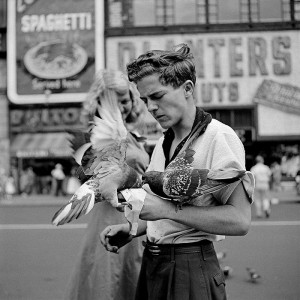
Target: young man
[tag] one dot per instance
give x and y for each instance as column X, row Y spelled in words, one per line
column 179, row 261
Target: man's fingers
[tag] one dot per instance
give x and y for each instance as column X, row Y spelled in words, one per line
column 105, row 236
column 109, row 247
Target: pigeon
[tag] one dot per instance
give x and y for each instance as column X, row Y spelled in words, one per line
column 221, row 255
column 227, row 271
column 101, row 156
column 181, row 182
column 254, row 276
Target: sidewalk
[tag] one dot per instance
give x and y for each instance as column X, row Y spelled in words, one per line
column 285, row 196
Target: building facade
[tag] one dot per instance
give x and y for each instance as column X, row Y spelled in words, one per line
column 246, row 54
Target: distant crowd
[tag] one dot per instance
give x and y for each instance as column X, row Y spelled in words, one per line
column 28, row 182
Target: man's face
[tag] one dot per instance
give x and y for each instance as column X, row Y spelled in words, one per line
column 166, row 104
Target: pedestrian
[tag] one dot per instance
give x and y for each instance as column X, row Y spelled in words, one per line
column 276, row 176
column 179, row 260
column 10, row 187
column 262, row 174
column 58, row 177
column 3, row 179
column 99, row 274
column 73, row 183
column 27, row 182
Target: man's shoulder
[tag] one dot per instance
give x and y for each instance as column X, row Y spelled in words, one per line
column 215, row 127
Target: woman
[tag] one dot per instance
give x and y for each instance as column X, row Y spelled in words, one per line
column 99, row 274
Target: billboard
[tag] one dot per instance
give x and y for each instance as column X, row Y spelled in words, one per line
column 233, row 69
column 53, row 49
column 230, row 66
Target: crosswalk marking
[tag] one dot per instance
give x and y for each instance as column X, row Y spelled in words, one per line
column 84, row 225
column 275, row 223
column 42, row 226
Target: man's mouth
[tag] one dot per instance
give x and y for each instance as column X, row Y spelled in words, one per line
column 159, row 117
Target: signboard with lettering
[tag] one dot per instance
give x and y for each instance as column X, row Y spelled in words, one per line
column 278, row 109
column 53, row 49
column 231, row 67
column 45, row 119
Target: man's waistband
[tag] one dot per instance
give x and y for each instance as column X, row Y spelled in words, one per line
column 174, row 249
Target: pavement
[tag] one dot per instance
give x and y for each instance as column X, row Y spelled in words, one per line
column 285, row 196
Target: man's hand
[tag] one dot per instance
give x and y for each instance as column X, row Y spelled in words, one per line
column 156, row 208
column 114, row 237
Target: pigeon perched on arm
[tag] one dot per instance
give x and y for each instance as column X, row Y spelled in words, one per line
column 181, row 182
column 102, row 165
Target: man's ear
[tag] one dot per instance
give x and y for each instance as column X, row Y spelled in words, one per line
column 188, row 87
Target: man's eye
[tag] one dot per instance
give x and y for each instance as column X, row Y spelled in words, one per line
column 157, row 97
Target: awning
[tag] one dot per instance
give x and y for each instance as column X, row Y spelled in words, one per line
column 39, row 145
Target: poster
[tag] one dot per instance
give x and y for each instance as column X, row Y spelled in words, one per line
column 54, row 48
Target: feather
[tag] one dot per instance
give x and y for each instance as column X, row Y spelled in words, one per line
column 78, row 138
column 181, row 182
column 101, row 156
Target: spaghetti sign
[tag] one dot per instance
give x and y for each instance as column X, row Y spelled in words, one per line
column 52, row 52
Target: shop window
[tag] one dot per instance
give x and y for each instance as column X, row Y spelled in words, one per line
column 3, row 10
column 140, row 17
column 228, row 11
column 235, row 118
column 223, row 116
column 270, row 10
column 139, row 13
column 185, row 12
column 297, row 9
column 243, row 118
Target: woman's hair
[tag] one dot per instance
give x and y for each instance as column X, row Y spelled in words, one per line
column 174, row 67
column 104, row 83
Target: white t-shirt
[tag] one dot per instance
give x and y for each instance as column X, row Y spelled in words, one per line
column 217, row 148
column 262, row 174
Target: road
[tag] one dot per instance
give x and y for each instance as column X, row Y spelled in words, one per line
column 36, row 258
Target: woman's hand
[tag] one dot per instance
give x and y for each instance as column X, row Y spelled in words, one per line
column 114, row 237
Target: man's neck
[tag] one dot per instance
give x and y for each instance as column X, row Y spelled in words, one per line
column 185, row 126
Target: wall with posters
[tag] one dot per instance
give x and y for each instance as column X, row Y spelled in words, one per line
column 230, row 66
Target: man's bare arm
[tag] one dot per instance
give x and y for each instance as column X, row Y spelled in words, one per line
column 233, row 218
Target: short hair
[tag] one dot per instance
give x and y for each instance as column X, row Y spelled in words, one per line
column 173, row 66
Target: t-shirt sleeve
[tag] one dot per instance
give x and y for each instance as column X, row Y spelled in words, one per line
column 227, row 152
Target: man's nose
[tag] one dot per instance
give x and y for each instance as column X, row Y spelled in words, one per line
column 151, row 106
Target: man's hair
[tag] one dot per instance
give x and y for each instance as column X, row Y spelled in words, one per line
column 174, row 66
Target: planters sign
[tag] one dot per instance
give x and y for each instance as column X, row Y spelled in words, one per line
column 52, row 49
column 230, row 66
column 246, row 69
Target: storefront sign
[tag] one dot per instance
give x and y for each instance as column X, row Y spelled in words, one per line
column 45, row 119
column 284, row 97
column 278, row 110
column 55, row 47
column 230, row 66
